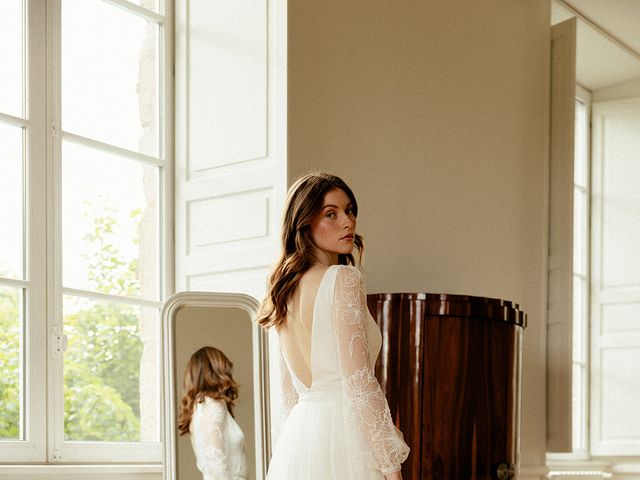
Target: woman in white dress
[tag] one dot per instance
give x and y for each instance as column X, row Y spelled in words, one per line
column 338, row 425
column 206, row 412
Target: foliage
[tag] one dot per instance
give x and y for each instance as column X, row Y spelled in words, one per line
column 9, row 364
column 102, row 360
column 108, row 271
column 96, row 412
column 103, row 355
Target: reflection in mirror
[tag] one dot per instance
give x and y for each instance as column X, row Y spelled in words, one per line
column 193, row 320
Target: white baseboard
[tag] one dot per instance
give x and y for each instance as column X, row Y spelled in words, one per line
column 613, row 469
column 580, row 475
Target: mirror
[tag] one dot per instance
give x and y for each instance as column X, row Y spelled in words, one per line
column 192, row 320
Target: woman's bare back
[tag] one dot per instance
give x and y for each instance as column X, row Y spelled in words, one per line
column 295, row 333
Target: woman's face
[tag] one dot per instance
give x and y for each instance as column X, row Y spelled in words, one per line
column 333, row 228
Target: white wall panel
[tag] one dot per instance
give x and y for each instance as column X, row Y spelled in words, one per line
column 227, row 83
column 620, row 134
column 230, row 142
column 615, row 285
column 251, row 281
column 232, row 218
column 620, row 393
column 621, row 318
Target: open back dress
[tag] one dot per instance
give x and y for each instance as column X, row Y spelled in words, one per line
column 339, row 426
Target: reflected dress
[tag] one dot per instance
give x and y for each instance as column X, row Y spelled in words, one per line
column 340, row 426
column 217, row 441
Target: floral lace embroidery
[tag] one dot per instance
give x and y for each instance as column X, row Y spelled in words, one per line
column 289, row 392
column 211, row 457
column 367, row 406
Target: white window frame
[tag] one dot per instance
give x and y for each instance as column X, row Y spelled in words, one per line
column 33, row 447
column 43, row 379
column 580, row 404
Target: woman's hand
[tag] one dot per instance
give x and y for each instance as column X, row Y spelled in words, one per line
column 394, row 476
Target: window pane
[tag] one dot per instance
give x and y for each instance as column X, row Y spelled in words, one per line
column 11, row 216
column 578, row 420
column 580, row 225
column 579, row 318
column 11, row 53
column 111, row 367
column 109, row 223
column 109, row 75
column 581, row 154
column 10, row 363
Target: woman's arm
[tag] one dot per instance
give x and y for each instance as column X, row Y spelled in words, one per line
column 394, row 476
column 209, row 442
column 289, row 393
column 383, row 445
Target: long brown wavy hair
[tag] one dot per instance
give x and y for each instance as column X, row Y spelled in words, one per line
column 304, row 201
column 208, row 374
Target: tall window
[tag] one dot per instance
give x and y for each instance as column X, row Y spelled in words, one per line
column 83, row 176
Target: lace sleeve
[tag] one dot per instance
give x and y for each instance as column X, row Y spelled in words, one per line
column 383, row 444
column 289, row 393
column 210, row 451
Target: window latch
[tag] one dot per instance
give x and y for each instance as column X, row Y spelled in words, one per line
column 55, row 129
column 59, row 342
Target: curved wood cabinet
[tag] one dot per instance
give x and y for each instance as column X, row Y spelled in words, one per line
column 450, row 368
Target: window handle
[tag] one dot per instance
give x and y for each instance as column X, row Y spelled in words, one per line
column 60, row 342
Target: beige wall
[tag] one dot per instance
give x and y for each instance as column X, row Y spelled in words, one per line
column 436, row 114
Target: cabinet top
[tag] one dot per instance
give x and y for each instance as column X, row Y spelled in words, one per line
column 449, row 305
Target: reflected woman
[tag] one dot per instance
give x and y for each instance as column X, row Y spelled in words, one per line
column 206, row 412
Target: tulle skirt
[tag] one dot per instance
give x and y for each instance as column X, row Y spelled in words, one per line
column 317, row 444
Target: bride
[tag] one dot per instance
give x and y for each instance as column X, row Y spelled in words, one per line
column 339, row 425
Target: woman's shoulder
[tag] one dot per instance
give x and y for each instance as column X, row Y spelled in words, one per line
column 352, row 269
column 334, row 269
column 347, row 274
column 213, row 404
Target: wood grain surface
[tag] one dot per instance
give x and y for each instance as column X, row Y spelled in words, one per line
column 450, row 368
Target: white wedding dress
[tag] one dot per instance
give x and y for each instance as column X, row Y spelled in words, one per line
column 217, row 441
column 339, row 427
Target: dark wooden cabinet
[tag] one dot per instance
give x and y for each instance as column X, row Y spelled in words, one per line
column 450, row 368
